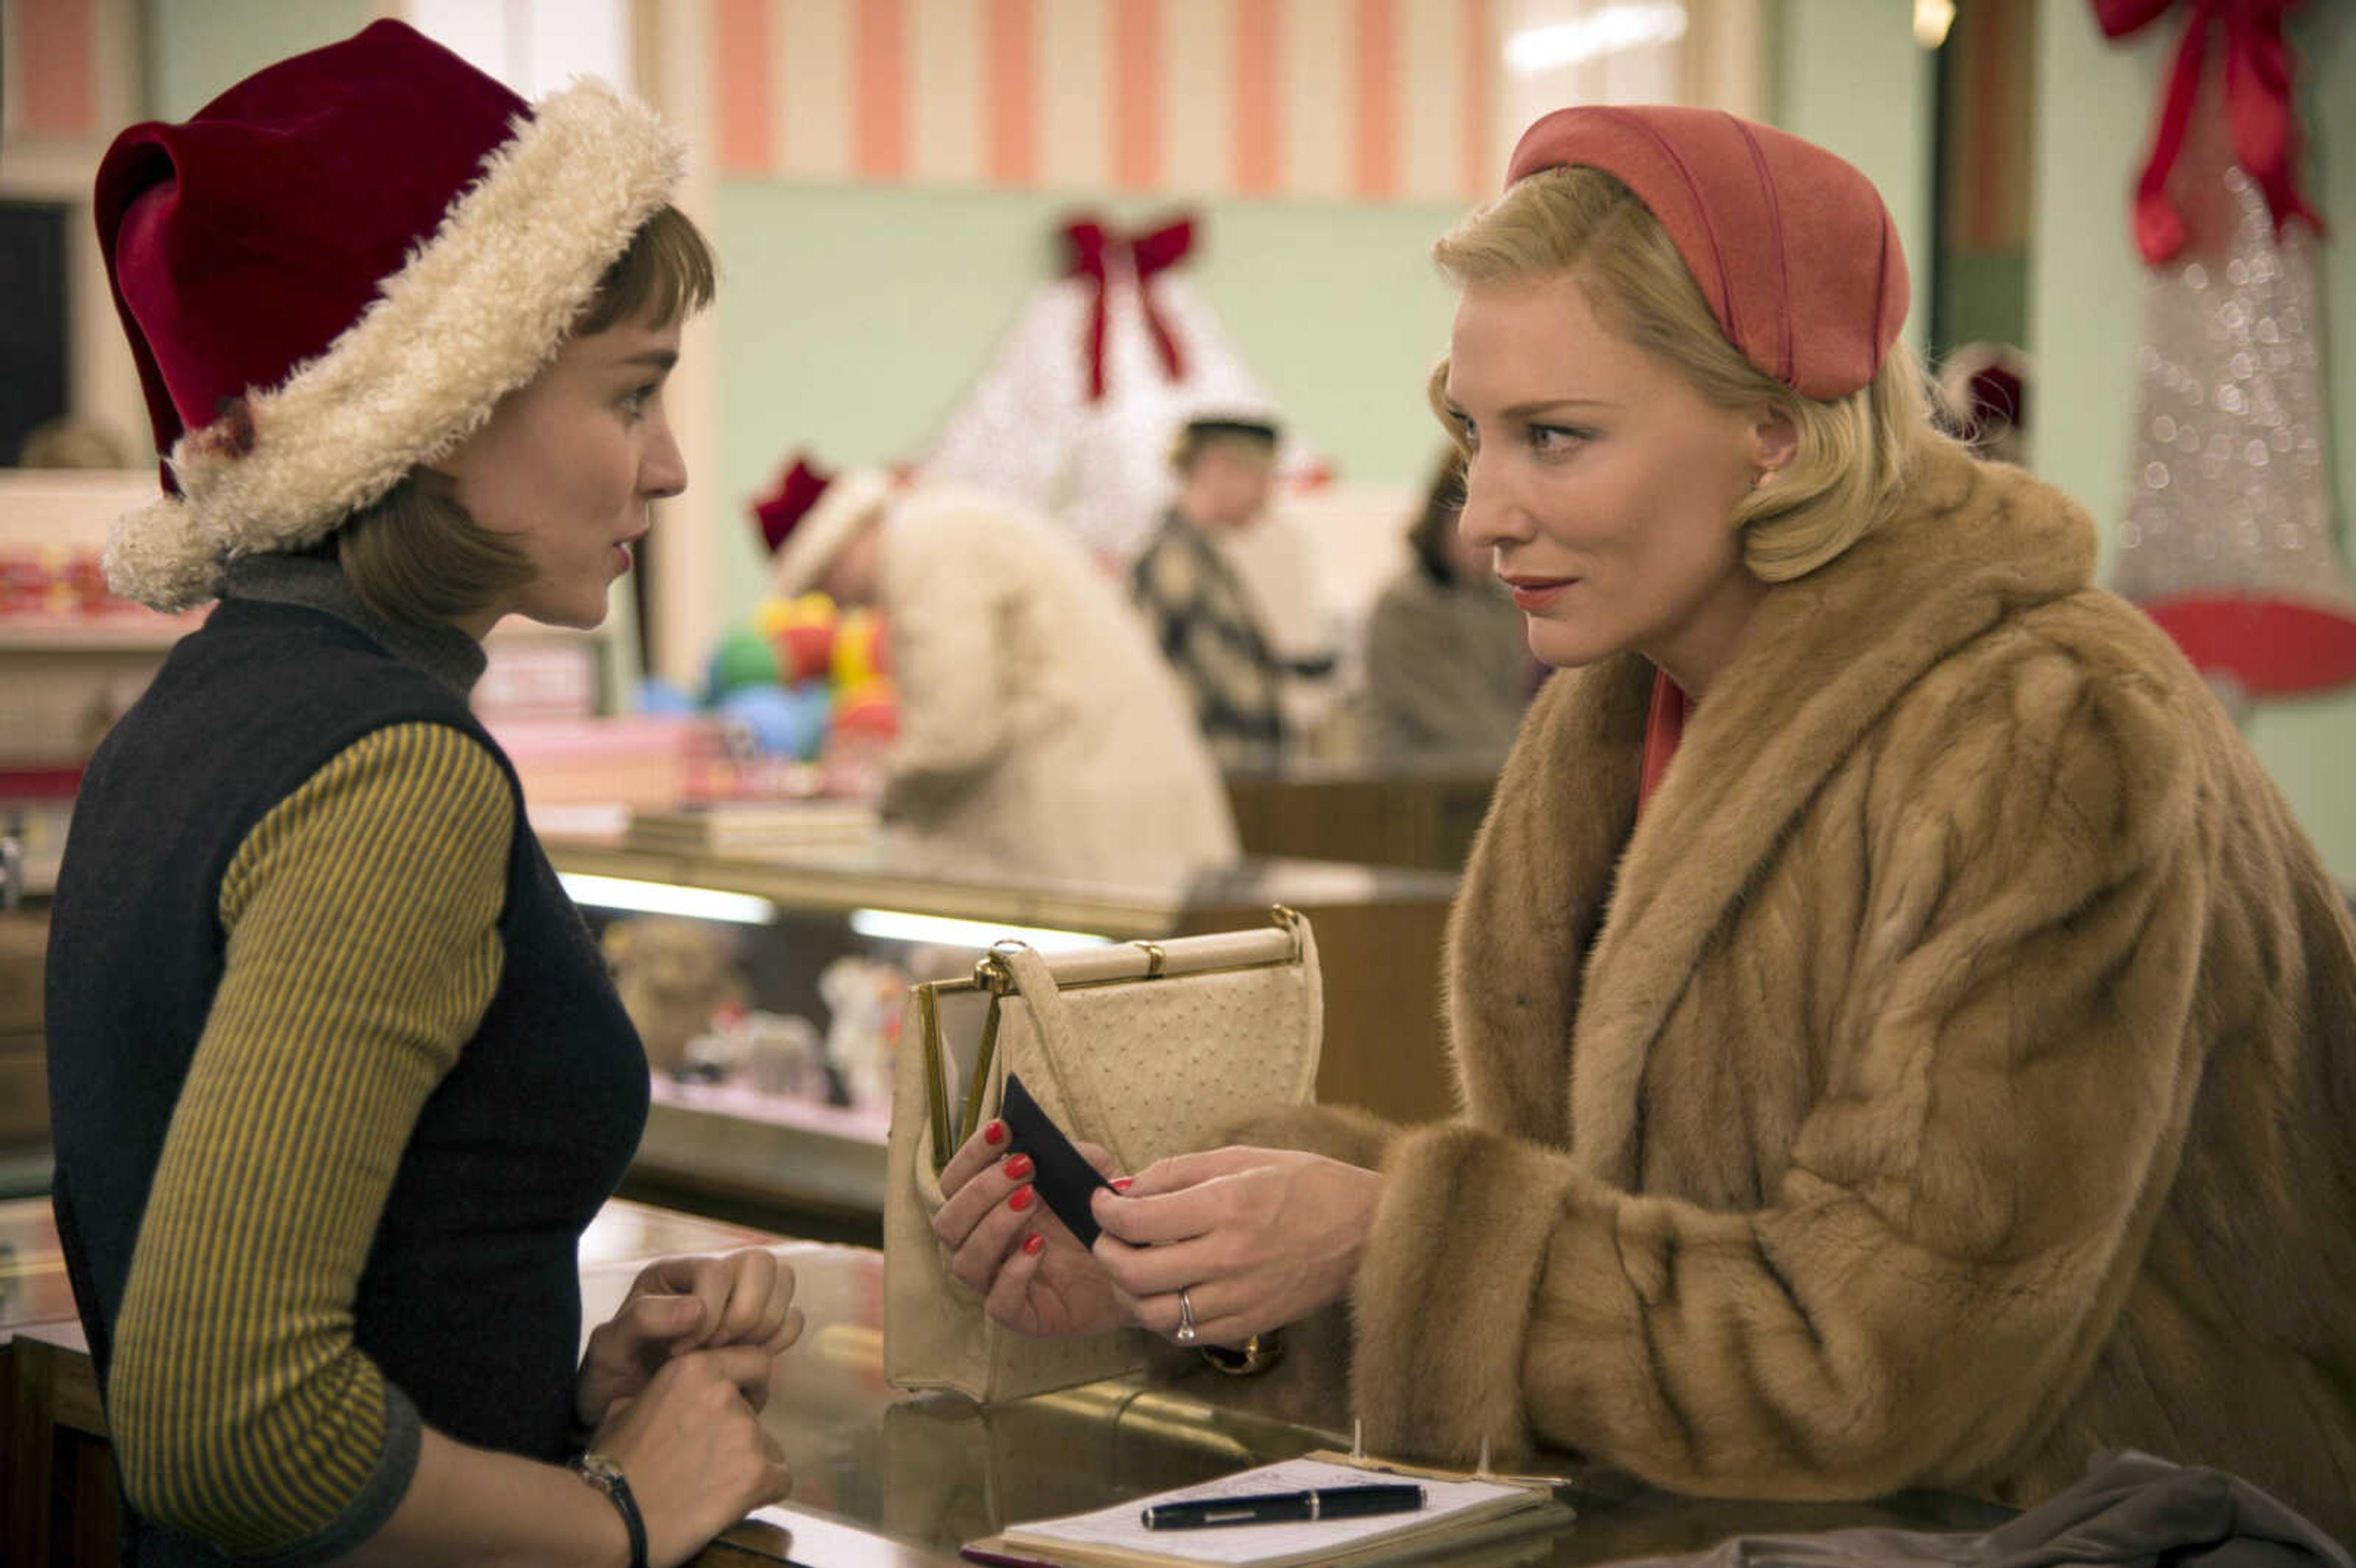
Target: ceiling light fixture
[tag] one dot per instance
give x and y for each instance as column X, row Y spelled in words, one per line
column 1608, row 30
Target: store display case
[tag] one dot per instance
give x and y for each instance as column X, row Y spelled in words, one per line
column 791, row 1134
column 1422, row 812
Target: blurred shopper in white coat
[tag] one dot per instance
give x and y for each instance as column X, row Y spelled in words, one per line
column 1038, row 726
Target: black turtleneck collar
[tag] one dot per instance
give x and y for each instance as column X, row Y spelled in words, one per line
column 443, row 652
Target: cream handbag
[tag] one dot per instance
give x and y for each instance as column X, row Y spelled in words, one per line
column 1148, row 1048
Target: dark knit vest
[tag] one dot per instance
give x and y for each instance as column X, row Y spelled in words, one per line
column 470, row 1302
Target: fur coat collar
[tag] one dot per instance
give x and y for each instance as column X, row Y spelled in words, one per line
column 1819, row 668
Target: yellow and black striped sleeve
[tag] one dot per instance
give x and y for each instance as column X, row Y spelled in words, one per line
column 363, row 948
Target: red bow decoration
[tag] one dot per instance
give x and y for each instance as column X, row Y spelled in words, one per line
column 1092, row 246
column 2257, row 106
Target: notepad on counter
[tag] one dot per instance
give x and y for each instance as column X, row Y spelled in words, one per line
column 1458, row 1511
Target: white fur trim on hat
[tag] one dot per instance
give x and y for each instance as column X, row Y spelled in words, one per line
column 819, row 536
column 474, row 314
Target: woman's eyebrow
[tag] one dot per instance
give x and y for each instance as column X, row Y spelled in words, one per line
column 1548, row 405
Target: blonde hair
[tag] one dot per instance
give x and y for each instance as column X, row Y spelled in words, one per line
column 1853, row 453
column 416, row 555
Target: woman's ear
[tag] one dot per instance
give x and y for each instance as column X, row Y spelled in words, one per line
column 1773, row 439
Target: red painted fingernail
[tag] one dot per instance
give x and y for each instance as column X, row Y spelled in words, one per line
column 1033, row 1243
column 995, row 1133
column 1022, row 1199
column 1018, row 1166
column 1123, row 1183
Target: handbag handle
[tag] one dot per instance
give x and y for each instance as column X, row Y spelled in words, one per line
column 1037, row 985
column 1029, row 971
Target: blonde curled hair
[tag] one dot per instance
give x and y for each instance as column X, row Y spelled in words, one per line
column 1853, row 453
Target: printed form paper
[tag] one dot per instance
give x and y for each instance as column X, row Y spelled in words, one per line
column 1123, row 1525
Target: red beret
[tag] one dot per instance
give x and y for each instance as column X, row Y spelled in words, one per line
column 1792, row 246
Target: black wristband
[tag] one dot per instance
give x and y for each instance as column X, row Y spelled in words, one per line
column 606, row 1475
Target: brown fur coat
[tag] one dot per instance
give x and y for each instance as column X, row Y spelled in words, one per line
column 1950, row 1076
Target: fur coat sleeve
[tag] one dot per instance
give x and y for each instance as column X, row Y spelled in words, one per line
column 1837, row 1126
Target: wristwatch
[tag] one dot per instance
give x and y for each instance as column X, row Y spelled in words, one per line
column 600, row 1472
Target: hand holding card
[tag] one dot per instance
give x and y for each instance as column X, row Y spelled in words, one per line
column 1064, row 1179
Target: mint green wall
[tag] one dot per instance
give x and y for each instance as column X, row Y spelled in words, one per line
column 191, row 49
column 1848, row 75
column 2085, row 315
column 853, row 320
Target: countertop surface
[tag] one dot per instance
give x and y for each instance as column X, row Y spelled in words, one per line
column 883, row 1478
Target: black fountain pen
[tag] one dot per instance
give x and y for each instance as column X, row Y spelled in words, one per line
column 1278, row 1508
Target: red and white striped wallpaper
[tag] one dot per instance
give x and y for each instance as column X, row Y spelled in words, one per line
column 1361, row 100
column 1357, row 99
column 49, row 51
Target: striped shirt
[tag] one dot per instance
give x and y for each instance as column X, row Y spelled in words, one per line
column 361, row 954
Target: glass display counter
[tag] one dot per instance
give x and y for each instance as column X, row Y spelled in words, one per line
column 778, row 1116
column 881, row 1479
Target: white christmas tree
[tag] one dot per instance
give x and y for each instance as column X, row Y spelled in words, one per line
column 1077, row 411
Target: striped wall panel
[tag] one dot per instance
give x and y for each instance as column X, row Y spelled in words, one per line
column 1363, row 100
column 49, row 51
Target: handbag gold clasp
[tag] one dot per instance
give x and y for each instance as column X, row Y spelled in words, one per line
column 991, row 972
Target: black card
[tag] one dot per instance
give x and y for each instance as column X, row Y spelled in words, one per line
column 1063, row 1175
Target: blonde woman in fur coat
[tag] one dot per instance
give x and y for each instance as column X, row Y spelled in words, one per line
column 1934, row 1068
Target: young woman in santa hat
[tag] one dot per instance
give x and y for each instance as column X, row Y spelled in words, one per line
column 337, row 1076
column 1904, row 1039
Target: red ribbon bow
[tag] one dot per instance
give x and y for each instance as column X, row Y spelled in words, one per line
column 2257, row 106
column 1092, row 246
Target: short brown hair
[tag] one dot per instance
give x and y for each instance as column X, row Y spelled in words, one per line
column 1201, row 434
column 1444, row 504
column 416, row 555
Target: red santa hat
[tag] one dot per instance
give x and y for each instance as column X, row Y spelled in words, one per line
column 1792, row 246
column 333, row 271
column 811, row 515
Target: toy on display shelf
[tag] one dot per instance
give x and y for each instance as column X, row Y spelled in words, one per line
column 674, row 976
column 857, row 756
column 53, row 579
column 783, row 1053
column 744, row 658
column 870, row 708
column 803, row 630
column 861, row 651
column 657, row 695
column 771, row 1053
column 862, row 997
column 867, row 699
column 805, row 681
